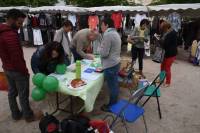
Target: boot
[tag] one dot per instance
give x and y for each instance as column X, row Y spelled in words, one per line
column 37, row 115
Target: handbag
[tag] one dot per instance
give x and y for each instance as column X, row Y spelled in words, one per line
column 49, row 124
column 3, row 82
column 159, row 55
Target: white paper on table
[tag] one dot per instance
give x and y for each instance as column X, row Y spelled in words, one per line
column 58, row 76
column 89, row 76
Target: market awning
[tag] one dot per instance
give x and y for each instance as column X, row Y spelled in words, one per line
column 125, row 9
column 190, row 10
column 61, row 9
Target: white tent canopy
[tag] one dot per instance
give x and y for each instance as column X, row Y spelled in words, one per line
column 125, row 9
column 191, row 10
column 54, row 9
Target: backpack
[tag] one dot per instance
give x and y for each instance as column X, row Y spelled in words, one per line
column 76, row 124
column 49, row 124
column 100, row 125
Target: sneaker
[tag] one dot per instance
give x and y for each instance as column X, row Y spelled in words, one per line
column 167, row 85
column 17, row 116
column 37, row 116
column 105, row 108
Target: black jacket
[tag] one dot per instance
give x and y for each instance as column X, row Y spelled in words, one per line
column 170, row 44
column 38, row 64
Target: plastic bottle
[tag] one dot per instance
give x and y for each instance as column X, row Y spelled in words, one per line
column 78, row 69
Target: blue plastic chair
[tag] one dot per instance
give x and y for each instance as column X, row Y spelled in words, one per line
column 154, row 90
column 129, row 110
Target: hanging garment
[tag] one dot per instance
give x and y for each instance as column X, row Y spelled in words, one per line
column 29, row 20
column 93, row 21
column 72, row 18
column 175, row 20
column 25, row 23
column 194, row 48
column 58, row 20
column 34, row 21
column 42, row 19
column 25, row 31
column 37, row 37
column 127, row 24
column 198, row 52
column 44, row 36
column 139, row 18
column 117, row 18
column 155, row 25
column 83, row 22
column 30, row 35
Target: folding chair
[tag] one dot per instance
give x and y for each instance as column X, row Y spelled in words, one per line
column 154, row 90
column 128, row 110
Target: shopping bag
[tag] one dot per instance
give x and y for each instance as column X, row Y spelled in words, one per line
column 3, row 82
column 159, row 54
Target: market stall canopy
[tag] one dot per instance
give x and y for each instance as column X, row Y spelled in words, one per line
column 61, row 9
column 189, row 10
column 124, row 9
column 5, row 9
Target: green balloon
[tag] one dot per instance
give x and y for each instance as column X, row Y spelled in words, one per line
column 38, row 79
column 50, row 84
column 38, row 94
column 61, row 68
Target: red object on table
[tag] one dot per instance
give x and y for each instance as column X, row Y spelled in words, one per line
column 3, row 82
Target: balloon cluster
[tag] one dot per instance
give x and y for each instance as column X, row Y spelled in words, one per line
column 43, row 85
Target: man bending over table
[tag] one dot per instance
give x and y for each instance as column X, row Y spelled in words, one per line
column 81, row 42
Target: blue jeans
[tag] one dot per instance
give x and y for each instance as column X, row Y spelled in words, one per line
column 111, row 76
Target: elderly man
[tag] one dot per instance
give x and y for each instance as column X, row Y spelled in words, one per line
column 81, row 42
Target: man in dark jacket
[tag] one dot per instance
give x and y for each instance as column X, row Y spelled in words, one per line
column 14, row 66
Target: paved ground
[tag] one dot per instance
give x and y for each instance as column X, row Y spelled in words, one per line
column 179, row 103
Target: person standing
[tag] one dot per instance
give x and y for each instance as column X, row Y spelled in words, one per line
column 137, row 39
column 109, row 51
column 14, row 66
column 169, row 44
column 62, row 37
column 81, row 42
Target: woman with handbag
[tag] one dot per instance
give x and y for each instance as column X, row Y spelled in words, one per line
column 169, row 44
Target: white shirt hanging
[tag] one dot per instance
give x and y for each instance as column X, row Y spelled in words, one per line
column 37, row 37
column 72, row 18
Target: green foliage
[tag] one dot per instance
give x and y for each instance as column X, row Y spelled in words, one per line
column 178, row 1
column 27, row 2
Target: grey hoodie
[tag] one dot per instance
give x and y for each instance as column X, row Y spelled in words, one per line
column 110, row 48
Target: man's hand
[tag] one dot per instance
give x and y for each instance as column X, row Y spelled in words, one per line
column 90, row 56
